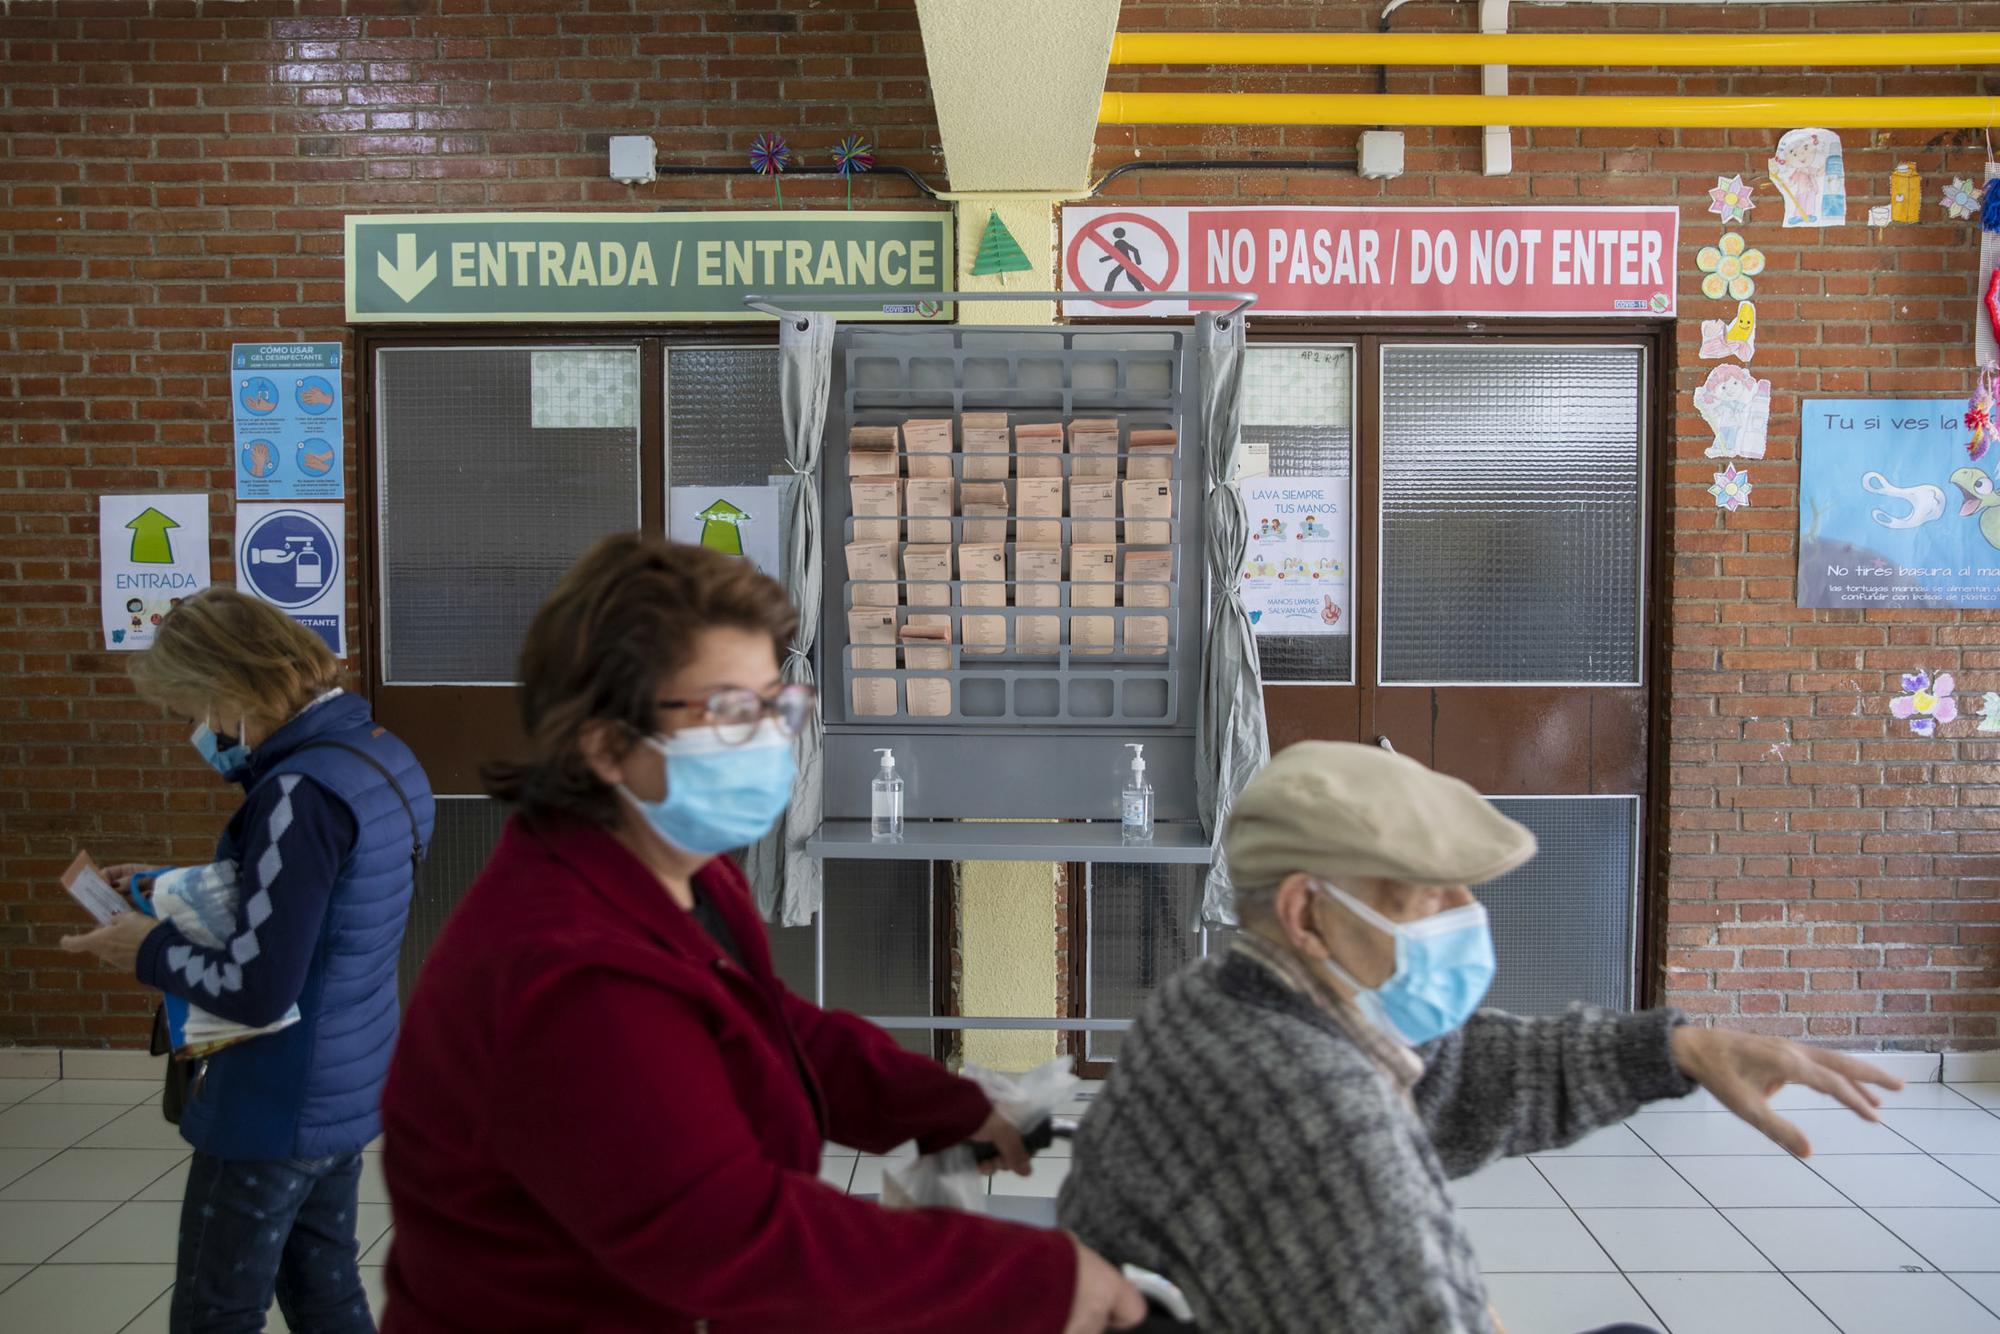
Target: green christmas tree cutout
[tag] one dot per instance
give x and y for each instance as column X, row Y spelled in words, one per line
column 999, row 252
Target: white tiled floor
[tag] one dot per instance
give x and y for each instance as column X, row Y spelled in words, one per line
column 1682, row 1219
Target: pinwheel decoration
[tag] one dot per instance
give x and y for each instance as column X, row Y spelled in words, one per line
column 1960, row 199
column 771, row 156
column 852, row 156
column 1730, row 199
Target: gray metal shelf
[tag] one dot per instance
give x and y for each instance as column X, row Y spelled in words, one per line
column 1026, row 841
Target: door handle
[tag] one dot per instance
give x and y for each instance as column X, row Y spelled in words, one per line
column 1384, row 743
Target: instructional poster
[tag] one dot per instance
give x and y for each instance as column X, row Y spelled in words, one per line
column 295, row 557
column 1295, row 578
column 286, row 399
column 152, row 552
column 1892, row 512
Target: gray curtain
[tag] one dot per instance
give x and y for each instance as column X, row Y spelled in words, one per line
column 1230, row 739
column 785, row 877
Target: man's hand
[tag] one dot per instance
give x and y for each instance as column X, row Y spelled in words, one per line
column 1000, row 1133
column 117, row 941
column 1743, row 1070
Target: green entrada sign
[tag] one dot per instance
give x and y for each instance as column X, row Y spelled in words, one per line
column 536, row 267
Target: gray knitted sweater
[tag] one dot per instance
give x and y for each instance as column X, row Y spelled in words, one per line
column 1250, row 1151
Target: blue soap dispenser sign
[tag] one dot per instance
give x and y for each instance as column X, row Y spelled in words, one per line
column 286, row 402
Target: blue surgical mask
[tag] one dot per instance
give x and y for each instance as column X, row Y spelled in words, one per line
column 227, row 755
column 720, row 796
column 1444, row 965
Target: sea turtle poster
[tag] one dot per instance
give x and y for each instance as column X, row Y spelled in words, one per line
column 1892, row 512
column 735, row 520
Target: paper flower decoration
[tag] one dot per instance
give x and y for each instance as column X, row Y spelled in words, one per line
column 771, row 156
column 1924, row 702
column 1731, row 489
column 1730, row 199
column 1982, row 414
column 1737, row 338
column 1731, row 268
column 1989, row 713
column 852, row 156
column 1960, row 199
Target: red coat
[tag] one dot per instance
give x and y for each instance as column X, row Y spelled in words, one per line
column 597, row 1122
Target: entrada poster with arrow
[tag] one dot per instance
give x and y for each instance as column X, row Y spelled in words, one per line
column 152, row 551
column 737, row 520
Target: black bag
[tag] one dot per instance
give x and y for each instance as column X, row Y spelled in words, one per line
column 184, row 1078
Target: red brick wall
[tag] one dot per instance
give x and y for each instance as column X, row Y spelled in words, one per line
column 174, row 178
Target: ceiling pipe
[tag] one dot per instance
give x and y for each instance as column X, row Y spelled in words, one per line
column 1746, row 113
column 1625, row 50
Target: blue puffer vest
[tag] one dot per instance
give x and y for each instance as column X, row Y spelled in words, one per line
column 314, row 1090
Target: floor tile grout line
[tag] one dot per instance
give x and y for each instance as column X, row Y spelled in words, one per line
column 1616, row 1268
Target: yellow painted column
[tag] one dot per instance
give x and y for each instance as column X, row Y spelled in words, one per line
column 1032, row 220
column 1007, row 938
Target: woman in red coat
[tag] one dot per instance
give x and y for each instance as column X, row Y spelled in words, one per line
column 606, row 1112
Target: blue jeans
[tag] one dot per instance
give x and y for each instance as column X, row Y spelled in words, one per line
column 251, row 1229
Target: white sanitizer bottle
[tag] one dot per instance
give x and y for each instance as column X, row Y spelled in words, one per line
column 885, row 800
column 1135, row 803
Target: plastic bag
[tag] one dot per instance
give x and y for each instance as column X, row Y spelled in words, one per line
column 951, row 1179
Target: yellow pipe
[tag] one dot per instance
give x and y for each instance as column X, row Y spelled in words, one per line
column 1641, row 50
column 1745, row 113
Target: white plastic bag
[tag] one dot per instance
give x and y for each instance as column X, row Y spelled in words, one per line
column 951, row 1179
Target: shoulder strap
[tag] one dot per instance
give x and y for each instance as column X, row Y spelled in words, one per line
column 416, row 838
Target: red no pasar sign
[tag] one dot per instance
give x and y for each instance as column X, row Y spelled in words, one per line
column 1591, row 262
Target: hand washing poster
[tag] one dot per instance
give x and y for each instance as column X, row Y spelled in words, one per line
column 286, row 401
column 295, row 558
column 1295, row 579
column 1892, row 512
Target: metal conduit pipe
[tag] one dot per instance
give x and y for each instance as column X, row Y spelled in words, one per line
column 1624, row 50
column 1749, row 113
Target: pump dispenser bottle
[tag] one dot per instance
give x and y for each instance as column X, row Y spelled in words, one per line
column 885, row 801
column 1135, row 804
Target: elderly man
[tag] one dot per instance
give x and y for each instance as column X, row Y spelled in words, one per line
column 1285, row 1113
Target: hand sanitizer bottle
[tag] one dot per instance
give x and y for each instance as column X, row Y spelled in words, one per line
column 885, row 802
column 1135, row 804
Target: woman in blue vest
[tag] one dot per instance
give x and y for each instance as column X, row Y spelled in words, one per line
column 294, row 987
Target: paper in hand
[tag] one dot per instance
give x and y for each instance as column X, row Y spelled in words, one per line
column 87, row 885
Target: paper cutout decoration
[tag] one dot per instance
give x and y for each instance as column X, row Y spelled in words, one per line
column 1960, row 199
column 1924, row 702
column 1732, row 268
column 1730, row 199
column 1989, row 713
column 999, row 252
column 1731, row 489
column 1878, row 216
column 771, row 156
column 1737, row 338
column 1811, row 177
column 1985, row 347
column 1982, row 413
column 1737, row 407
column 852, row 156
column 1906, row 193
column 1993, row 303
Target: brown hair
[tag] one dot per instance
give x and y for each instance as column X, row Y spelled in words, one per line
column 621, row 622
column 226, row 652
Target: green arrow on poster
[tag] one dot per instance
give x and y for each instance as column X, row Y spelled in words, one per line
column 722, row 528
column 150, row 544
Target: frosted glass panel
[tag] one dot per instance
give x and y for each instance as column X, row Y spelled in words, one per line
column 724, row 427
column 1512, row 514
column 1138, row 937
column 483, row 507
column 1298, row 421
column 878, row 941
column 1564, row 925
column 466, row 831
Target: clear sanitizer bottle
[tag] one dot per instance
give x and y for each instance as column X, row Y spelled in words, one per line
column 885, row 800
column 1135, row 804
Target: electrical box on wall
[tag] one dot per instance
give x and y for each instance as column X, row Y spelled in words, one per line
column 632, row 158
column 1381, row 154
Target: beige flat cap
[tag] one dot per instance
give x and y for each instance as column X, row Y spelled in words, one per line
column 1334, row 809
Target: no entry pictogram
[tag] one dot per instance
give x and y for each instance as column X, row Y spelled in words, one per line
column 1122, row 250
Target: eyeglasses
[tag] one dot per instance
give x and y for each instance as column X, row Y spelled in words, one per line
column 734, row 715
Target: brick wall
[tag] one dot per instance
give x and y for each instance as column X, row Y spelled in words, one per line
column 174, row 178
